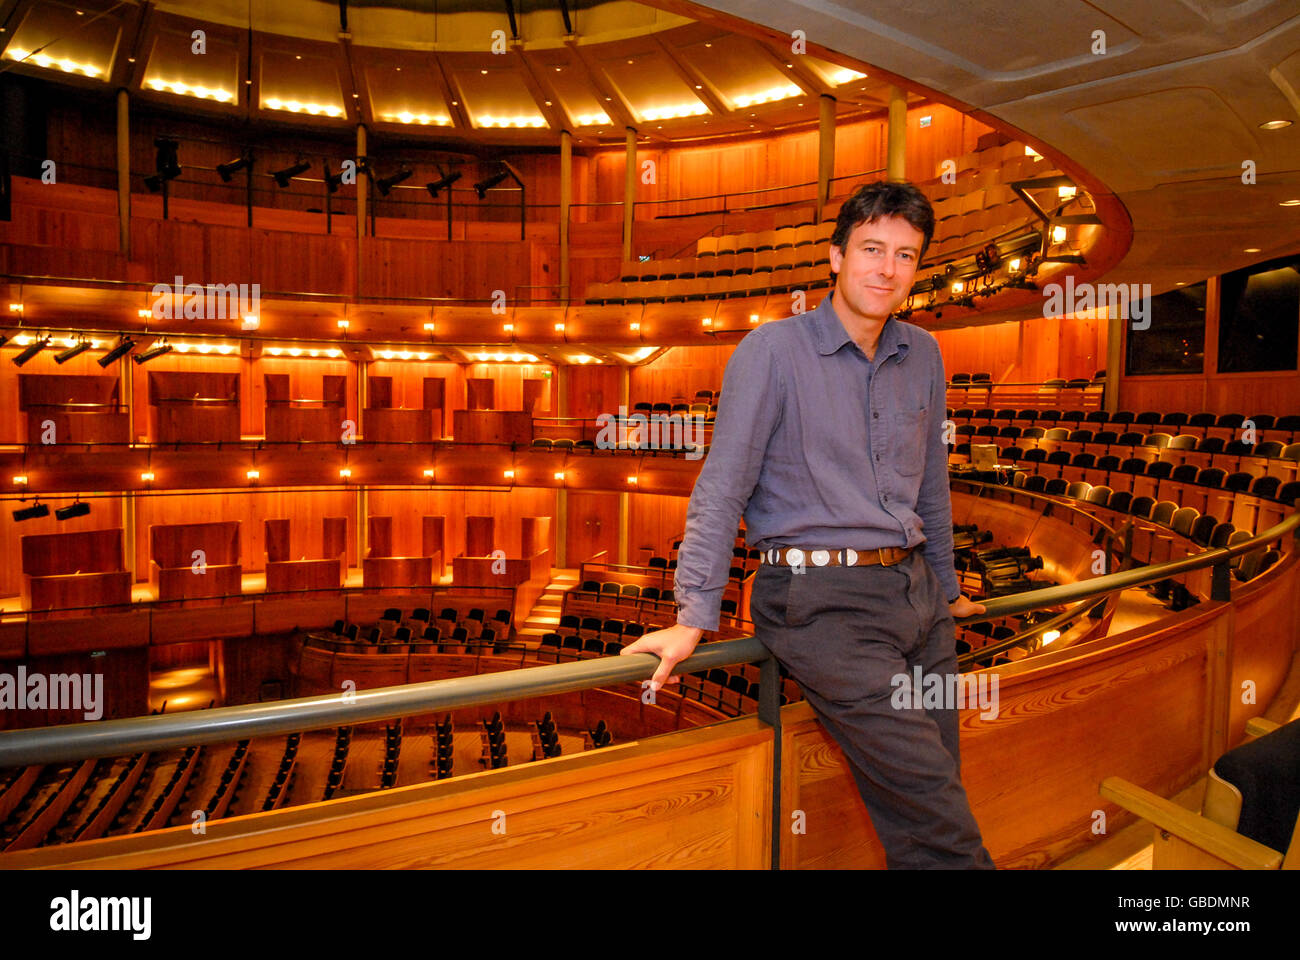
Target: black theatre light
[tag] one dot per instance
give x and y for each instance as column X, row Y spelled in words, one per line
column 166, row 164
column 31, row 350
column 332, row 180
column 77, row 348
column 123, row 347
column 483, row 186
column 157, row 350
column 446, row 180
column 228, row 170
column 32, row 512
column 282, row 177
column 387, row 183
column 75, row 509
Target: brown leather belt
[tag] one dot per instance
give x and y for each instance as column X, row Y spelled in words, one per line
column 799, row 556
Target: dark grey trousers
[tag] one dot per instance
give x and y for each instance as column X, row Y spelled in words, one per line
column 843, row 634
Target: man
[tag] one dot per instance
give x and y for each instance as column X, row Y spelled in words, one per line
column 829, row 440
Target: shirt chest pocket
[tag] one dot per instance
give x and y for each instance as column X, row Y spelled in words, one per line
column 910, row 440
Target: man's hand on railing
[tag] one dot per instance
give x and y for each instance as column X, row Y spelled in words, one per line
column 963, row 606
column 671, row 645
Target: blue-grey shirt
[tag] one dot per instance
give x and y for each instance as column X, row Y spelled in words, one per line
column 817, row 446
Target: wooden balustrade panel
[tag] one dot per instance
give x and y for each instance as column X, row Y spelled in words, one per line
column 65, row 426
column 710, row 786
column 492, row 426
column 286, row 575
column 480, row 536
column 379, row 536
column 46, row 596
column 397, row 426
column 277, row 539
column 295, row 424
column 173, row 544
column 219, row 584
column 397, row 572
column 85, row 551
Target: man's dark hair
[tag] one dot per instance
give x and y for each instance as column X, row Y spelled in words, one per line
column 885, row 199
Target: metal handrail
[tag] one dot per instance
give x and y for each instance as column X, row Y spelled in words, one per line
column 131, row 735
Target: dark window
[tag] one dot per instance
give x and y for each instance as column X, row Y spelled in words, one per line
column 1175, row 340
column 1260, row 316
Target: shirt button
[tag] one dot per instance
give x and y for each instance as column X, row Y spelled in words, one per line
column 875, row 414
column 877, row 456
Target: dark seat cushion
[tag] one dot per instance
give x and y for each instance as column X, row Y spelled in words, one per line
column 1267, row 772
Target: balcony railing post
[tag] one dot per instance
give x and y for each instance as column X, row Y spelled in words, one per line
column 769, row 712
column 1221, row 582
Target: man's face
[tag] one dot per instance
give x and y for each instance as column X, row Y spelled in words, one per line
column 876, row 266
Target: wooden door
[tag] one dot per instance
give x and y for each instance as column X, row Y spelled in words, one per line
column 592, row 527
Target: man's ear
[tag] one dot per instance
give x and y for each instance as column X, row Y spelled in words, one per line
column 836, row 257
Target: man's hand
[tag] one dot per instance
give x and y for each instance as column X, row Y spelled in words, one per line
column 963, row 606
column 671, row 645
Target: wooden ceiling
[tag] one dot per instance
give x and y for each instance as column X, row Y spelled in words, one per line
column 500, row 72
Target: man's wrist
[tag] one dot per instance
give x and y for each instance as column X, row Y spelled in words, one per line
column 954, row 599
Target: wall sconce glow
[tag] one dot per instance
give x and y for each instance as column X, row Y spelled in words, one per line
column 634, row 326
column 147, row 476
column 508, row 327
column 516, row 122
column 343, row 324
column 253, row 474
column 422, row 119
column 672, row 113
column 345, row 473
column 631, row 480
column 846, row 75
column 295, row 351
column 706, row 321
column 22, row 340
column 1014, row 265
column 1058, row 234
column 591, row 119
column 144, row 314
column 428, row 474
column 559, row 328
column 559, row 475
column 753, row 318
column 296, row 106
column 958, row 287
column 18, row 308
column 333, row 352
column 21, row 480
column 1051, row 635
column 52, row 63
column 185, row 90
column 274, row 351
column 768, row 96
column 509, row 474
column 429, row 327
column 1031, row 152
column 251, row 321
column 1066, row 193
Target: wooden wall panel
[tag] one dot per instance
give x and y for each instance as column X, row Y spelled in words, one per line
column 679, row 373
column 105, row 513
column 408, row 508
column 654, row 522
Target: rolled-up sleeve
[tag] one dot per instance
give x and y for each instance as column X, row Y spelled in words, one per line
column 748, row 413
column 934, row 501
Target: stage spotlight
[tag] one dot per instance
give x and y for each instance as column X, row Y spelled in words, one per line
column 157, row 350
column 387, row 183
column 76, row 509
column 228, row 170
column 988, row 259
column 332, row 180
column 483, row 186
column 282, row 177
column 31, row 350
column 166, row 164
column 446, row 180
column 124, row 346
column 72, row 351
column 32, row 512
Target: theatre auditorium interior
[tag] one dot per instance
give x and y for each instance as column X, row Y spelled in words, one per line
column 358, row 360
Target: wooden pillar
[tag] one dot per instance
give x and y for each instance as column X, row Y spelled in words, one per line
column 825, row 151
column 896, row 162
column 566, row 197
column 624, row 498
column 1114, row 358
column 629, row 192
column 123, row 174
column 363, row 188
column 561, row 495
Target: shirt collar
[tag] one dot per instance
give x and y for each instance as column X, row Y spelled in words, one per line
column 831, row 335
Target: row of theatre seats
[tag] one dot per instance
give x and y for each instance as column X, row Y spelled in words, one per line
column 979, row 207
column 1283, row 429
column 452, row 631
